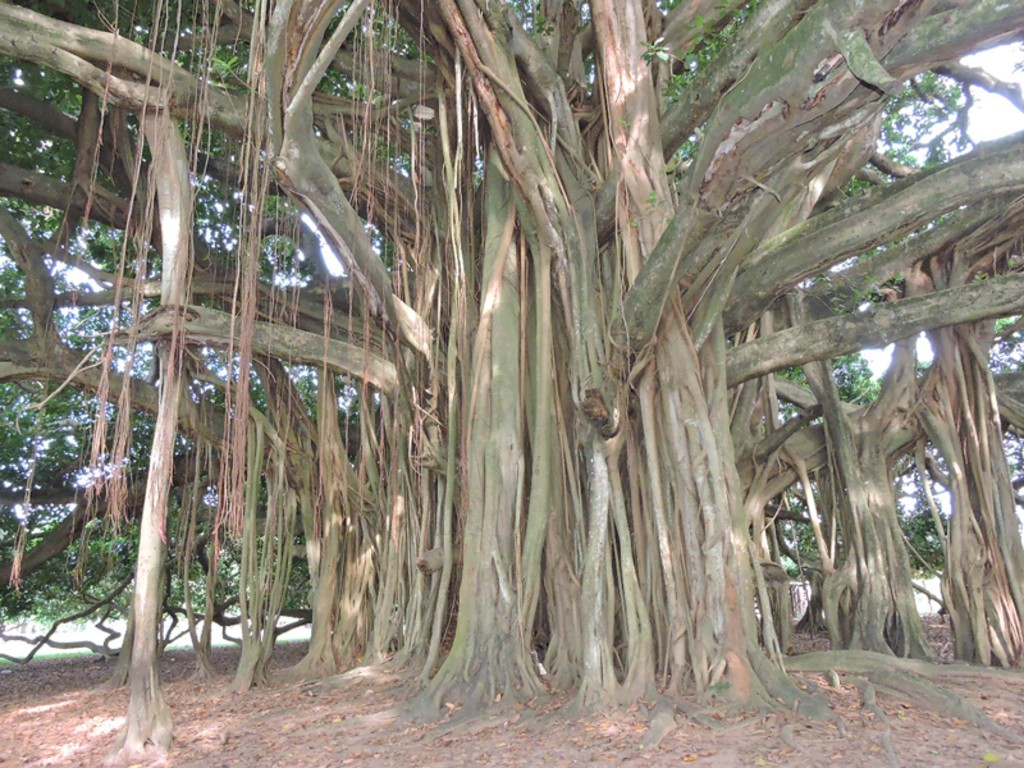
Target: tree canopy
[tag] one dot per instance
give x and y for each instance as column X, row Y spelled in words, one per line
column 515, row 341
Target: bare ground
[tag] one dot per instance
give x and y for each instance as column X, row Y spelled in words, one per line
column 53, row 713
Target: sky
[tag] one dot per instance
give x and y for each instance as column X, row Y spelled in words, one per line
column 993, row 116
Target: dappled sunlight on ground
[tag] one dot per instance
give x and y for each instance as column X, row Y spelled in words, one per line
column 100, row 726
column 359, row 718
column 25, row 711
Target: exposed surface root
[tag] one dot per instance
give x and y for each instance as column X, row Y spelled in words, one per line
column 663, row 722
column 909, row 678
column 870, row 704
column 787, row 738
column 866, row 661
column 722, row 720
column 885, row 740
column 782, row 689
column 465, row 723
column 940, row 700
column 451, row 700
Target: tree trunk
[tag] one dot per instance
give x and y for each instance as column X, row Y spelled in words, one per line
column 490, row 658
column 266, row 553
column 147, row 732
column 868, row 600
column 983, row 584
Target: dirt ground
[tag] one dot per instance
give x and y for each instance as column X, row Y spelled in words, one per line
column 53, row 713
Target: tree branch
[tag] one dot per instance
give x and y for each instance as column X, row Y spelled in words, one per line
column 203, row 325
column 876, row 218
column 885, row 323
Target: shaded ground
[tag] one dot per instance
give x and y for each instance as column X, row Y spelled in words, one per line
column 52, row 713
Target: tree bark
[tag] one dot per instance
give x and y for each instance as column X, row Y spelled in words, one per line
column 490, row 658
column 147, row 732
column 983, row 584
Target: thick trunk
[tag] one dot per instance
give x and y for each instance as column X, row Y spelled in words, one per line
column 147, row 731
column 322, row 529
column 490, row 658
column 983, row 585
column 868, row 599
column 709, row 644
column 323, row 553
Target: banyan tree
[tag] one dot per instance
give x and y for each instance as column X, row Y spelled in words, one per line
column 502, row 336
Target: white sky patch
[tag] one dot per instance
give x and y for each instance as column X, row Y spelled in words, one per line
column 878, row 360
column 81, row 279
column 21, row 514
column 992, row 116
column 331, row 260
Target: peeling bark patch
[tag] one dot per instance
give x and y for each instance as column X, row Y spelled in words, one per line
column 825, row 66
column 825, row 78
column 897, row 13
column 772, row 113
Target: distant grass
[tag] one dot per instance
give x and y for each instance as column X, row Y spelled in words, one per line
column 181, row 644
column 49, row 653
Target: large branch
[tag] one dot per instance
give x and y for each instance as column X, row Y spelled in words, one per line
column 28, row 360
column 202, row 325
column 1010, row 390
column 61, row 536
column 884, row 324
column 776, row 123
column 982, row 79
column 844, row 287
column 769, row 24
column 302, row 170
column 783, row 112
column 956, row 29
column 130, row 76
column 40, row 189
column 111, row 66
column 877, row 218
column 49, row 117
